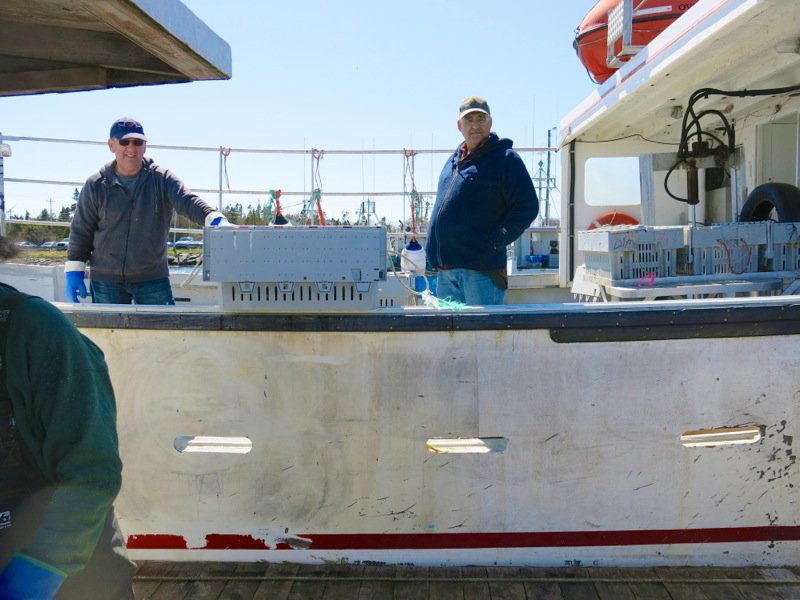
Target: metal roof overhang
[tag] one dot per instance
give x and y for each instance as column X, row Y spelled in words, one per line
column 729, row 45
column 77, row 45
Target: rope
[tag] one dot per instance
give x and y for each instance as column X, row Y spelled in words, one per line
column 648, row 279
column 193, row 273
column 409, row 156
column 744, row 261
column 427, row 297
column 279, row 218
column 316, row 195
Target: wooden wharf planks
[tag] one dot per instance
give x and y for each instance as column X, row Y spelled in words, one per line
column 277, row 581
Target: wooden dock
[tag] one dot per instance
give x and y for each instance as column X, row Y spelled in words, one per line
column 260, row 581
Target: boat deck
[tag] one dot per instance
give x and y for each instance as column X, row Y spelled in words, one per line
column 254, row 581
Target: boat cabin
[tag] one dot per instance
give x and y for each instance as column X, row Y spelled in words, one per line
column 696, row 139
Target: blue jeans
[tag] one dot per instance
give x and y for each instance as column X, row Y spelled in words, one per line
column 473, row 288
column 157, row 291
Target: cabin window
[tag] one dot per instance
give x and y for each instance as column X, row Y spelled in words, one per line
column 612, row 181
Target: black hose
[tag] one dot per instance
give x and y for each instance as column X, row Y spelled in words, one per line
column 691, row 120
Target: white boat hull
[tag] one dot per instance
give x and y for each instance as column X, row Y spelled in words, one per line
column 339, row 412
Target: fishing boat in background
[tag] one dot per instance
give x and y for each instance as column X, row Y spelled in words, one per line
column 322, row 411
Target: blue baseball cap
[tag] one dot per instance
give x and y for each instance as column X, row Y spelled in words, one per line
column 127, row 128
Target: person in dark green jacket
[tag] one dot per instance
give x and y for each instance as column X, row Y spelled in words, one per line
column 60, row 468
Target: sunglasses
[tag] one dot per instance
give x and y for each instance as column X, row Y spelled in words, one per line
column 135, row 142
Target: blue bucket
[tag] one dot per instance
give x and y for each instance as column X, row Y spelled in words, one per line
column 419, row 283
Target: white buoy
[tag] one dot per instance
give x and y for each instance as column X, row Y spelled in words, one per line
column 413, row 258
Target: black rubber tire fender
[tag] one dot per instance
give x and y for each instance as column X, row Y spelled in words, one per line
column 784, row 198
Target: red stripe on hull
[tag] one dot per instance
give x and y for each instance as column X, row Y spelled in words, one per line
column 157, row 541
column 443, row 541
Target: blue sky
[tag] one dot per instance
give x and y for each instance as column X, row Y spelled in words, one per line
column 349, row 75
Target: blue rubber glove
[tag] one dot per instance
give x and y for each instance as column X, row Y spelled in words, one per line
column 75, row 286
column 28, row 579
column 221, row 222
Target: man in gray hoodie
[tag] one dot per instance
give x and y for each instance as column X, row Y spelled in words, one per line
column 121, row 224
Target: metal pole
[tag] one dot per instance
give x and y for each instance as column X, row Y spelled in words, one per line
column 547, row 186
column 796, row 152
column 403, row 226
column 219, row 201
column 2, row 191
column 306, row 202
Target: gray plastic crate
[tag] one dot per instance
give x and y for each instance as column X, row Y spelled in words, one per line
column 296, row 268
column 784, row 245
column 722, row 249
column 630, row 252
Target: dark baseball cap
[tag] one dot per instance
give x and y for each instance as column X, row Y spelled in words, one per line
column 127, row 128
column 473, row 104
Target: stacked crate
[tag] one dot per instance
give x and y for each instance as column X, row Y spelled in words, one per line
column 783, row 251
column 722, row 249
column 630, row 252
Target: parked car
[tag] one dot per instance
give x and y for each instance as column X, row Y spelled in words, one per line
column 188, row 242
column 62, row 244
column 26, row 244
column 49, row 245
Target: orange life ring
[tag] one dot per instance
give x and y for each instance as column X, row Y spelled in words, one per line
column 612, row 218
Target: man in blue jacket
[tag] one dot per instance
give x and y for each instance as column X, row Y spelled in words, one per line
column 485, row 200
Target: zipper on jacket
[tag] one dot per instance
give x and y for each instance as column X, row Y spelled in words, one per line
column 128, row 235
column 445, row 200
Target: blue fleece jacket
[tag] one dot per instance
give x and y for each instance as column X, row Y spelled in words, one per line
column 483, row 203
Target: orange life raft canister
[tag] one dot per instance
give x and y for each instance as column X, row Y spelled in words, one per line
column 651, row 17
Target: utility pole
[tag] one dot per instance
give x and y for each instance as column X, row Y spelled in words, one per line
column 544, row 182
column 5, row 150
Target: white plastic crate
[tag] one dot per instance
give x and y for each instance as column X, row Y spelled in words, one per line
column 782, row 252
column 630, row 252
column 722, row 249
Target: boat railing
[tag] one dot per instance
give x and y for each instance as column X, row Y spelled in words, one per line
column 313, row 183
